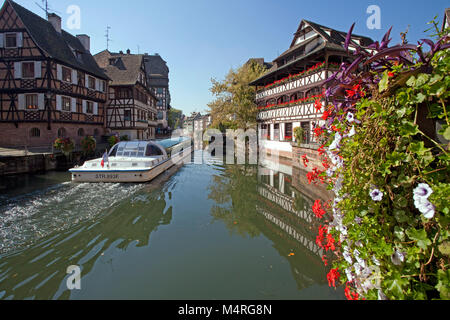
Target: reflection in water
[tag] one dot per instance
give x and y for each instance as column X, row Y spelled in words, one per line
column 254, row 201
column 39, row 271
column 231, row 232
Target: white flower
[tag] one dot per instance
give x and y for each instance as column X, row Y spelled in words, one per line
column 376, row 195
column 376, row 261
column 421, row 195
column 427, row 209
column 352, row 132
column 347, row 257
column 423, row 190
column 398, row 258
column 336, row 142
column 381, row 295
column 350, row 117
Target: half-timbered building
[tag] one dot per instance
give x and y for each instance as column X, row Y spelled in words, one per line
column 131, row 107
column 287, row 92
column 50, row 85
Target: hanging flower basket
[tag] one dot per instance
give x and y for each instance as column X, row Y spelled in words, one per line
column 65, row 145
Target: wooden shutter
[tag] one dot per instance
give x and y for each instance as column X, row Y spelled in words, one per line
column 41, row 101
column 84, row 106
column 2, row 40
column 86, row 81
column 74, row 76
column 73, row 103
column 38, row 69
column 59, row 72
column 21, row 102
column 58, row 103
column 95, row 108
column 19, row 39
column 18, row 70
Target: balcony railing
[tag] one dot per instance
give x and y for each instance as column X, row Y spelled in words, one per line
column 313, row 75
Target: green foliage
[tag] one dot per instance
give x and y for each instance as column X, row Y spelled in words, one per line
column 235, row 98
column 88, row 145
column 392, row 152
column 299, row 135
column 113, row 140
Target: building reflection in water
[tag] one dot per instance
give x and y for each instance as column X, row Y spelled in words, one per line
column 267, row 204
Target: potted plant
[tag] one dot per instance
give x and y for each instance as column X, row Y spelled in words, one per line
column 299, row 135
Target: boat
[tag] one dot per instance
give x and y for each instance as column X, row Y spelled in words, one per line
column 134, row 161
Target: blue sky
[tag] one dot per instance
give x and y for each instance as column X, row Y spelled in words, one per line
column 203, row 39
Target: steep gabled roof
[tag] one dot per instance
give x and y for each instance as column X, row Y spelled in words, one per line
column 124, row 71
column 322, row 38
column 57, row 45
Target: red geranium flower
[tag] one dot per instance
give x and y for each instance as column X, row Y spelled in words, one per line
column 332, row 277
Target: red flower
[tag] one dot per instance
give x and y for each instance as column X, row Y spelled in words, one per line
column 318, row 132
column 332, row 277
column 321, row 150
column 305, row 160
column 318, row 105
column 318, row 210
column 391, row 74
column 325, row 261
column 326, row 115
column 351, row 295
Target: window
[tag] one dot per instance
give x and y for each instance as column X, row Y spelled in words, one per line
column 127, row 115
column 61, row 133
column 28, row 70
column 159, row 90
column 66, row 74
column 103, row 86
column 288, row 132
column 11, row 40
column 153, row 151
column 276, row 132
column 31, row 101
column 35, row 133
column 81, row 132
column 123, row 93
column 91, row 83
column 66, row 104
column 89, row 107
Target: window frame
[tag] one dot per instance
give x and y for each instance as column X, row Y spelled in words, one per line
column 31, row 71
column 7, row 36
column 29, row 106
column 69, row 73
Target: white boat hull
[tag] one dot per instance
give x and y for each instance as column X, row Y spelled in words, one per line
column 128, row 176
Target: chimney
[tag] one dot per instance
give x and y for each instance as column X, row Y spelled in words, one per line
column 55, row 20
column 85, row 41
column 128, row 51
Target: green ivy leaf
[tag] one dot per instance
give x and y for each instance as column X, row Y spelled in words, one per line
column 418, row 148
column 384, row 82
column 443, row 284
column 420, row 236
column 446, row 134
column 408, row 128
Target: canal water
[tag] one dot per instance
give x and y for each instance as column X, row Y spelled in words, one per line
column 200, row 231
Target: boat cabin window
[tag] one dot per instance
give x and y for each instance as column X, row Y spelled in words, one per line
column 153, row 151
column 135, row 149
column 113, row 152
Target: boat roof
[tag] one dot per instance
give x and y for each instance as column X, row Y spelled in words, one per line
column 168, row 143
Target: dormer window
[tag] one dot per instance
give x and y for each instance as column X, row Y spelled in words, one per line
column 112, row 61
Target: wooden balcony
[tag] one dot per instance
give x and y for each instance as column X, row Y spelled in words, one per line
column 310, row 78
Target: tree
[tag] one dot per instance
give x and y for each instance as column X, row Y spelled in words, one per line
column 174, row 118
column 234, row 105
